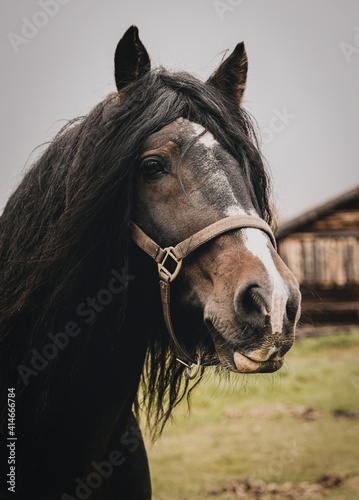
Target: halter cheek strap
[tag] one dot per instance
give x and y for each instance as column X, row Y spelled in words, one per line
column 172, row 257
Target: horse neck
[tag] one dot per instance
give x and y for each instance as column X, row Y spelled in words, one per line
column 118, row 368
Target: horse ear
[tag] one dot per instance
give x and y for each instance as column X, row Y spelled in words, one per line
column 131, row 58
column 231, row 76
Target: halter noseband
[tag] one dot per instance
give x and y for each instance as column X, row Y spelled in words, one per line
column 164, row 256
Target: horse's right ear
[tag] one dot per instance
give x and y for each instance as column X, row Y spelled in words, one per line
column 131, row 58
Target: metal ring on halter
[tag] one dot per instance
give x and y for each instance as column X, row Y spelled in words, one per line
column 197, row 367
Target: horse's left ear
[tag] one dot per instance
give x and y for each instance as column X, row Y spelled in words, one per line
column 131, row 58
column 231, row 76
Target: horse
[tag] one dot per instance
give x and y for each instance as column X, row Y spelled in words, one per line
column 136, row 252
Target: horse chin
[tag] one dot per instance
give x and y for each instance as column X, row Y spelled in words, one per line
column 238, row 362
column 244, row 360
column 244, row 364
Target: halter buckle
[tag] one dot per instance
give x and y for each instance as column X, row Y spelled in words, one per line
column 161, row 265
column 195, row 366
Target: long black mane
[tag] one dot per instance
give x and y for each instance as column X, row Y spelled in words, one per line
column 67, row 226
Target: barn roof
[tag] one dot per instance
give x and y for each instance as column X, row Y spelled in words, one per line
column 316, row 213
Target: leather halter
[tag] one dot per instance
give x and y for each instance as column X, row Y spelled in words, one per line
column 164, row 256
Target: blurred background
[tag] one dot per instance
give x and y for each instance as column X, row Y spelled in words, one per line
column 57, row 63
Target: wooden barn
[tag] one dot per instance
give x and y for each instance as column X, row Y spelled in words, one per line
column 321, row 247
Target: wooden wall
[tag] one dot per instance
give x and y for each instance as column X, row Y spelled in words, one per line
column 325, row 260
column 325, row 252
column 324, row 256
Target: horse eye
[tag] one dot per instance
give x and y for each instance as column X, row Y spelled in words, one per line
column 152, row 168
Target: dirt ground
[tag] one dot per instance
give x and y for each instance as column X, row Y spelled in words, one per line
column 244, row 489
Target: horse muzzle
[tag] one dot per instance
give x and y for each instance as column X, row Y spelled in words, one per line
column 252, row 326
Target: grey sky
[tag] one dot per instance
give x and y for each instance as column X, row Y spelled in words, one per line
column 303, row 83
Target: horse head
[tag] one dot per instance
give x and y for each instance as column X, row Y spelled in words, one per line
column 233, row 293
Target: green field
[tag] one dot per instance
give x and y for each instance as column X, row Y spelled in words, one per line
column 295, row 425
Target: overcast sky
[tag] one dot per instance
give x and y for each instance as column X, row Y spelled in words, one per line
column 303, row 82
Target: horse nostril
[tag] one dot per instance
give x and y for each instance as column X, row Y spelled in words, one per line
column 292, row 306
column 253, row 300
column 291, row 312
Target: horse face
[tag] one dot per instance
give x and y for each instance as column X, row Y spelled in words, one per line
column 247, row 297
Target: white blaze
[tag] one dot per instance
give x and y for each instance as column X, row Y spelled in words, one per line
column 255, row 240
column 257, row 243
column 198, row 129
column 206, row 139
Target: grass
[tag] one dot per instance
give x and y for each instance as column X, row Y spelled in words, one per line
column 237, row 429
